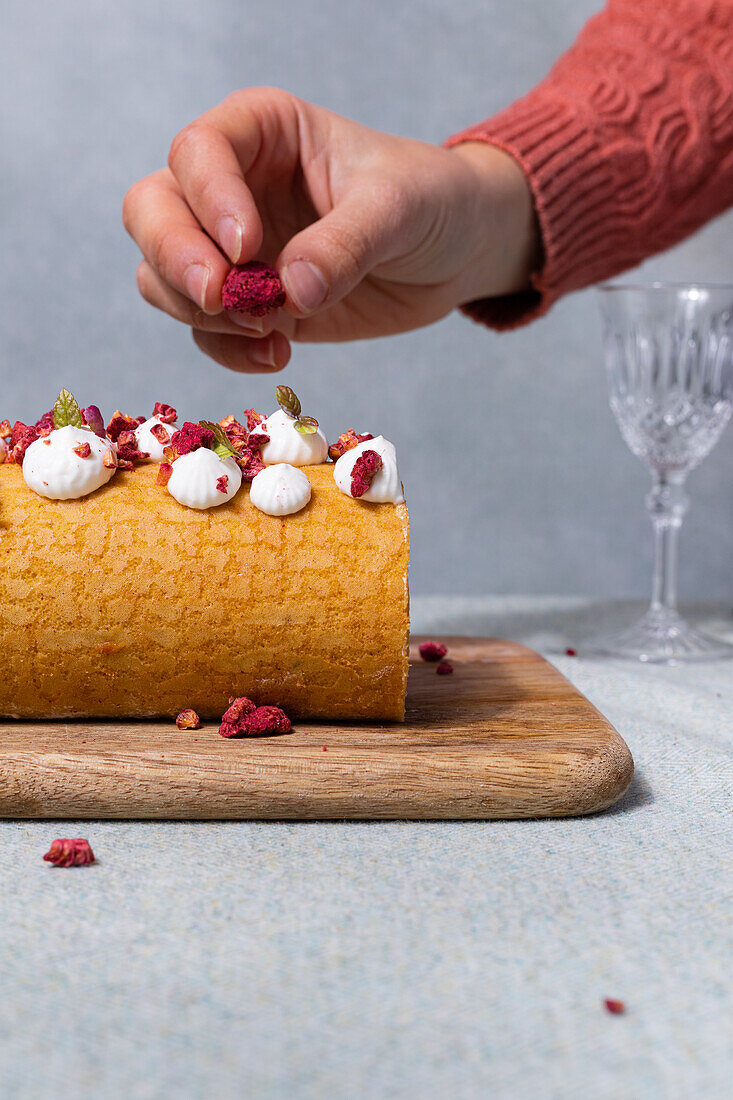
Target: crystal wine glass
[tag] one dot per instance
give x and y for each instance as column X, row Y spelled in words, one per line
column 669, row 360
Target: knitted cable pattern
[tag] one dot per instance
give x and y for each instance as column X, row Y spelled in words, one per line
column 627, row 144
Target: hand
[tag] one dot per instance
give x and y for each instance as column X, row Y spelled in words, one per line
column 372, row 234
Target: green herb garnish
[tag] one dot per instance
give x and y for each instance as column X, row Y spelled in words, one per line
column 290, row 405
column 222, row 447
column 66, row 411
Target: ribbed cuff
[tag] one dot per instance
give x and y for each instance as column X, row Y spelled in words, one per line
column 572, row 187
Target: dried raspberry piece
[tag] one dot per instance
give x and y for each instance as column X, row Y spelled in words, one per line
column 570, row 652
column 346, row 442
column 121, row 423
column 164, row 412
column 44, row 425
column 21, row 437
column 363, row 471
column 93, row 419
column 164, row 473
column 253, row 288
column 616, row 1008
column 190, row 437
column 74, row 852
column 253, row 419
column 444, row 668
column 83, row 450
column 127, row 452
column 232, row 721
column 160, row 433
column 248, row 456
column 222, row 483
column 188, row 720
column 266, row 720
column 432, row 651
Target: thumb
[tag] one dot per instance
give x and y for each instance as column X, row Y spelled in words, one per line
column 324, row 262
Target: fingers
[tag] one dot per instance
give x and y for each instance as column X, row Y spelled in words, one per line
column 158, row 293
column 210, row 176
column 323, row 263
column 160, row 221
column 240, row 353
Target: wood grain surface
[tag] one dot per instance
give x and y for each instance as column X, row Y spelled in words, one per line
column 506, row 736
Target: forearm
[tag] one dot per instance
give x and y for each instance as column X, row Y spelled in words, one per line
column 627, row 146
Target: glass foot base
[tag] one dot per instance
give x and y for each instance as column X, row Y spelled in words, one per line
column 659, row 637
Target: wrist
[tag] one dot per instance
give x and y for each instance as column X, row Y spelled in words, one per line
column 508, row 243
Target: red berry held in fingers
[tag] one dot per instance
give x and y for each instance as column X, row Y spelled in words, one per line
column 253, row 288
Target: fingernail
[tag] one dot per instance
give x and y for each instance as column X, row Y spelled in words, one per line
column 263, row 352
column 229, row 236
column 195, row 279
column 305, row 284
column 247, row 321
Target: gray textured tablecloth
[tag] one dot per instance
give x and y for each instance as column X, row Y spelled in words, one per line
column 394, row 959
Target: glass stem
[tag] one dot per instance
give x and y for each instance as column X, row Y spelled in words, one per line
column 666, row 503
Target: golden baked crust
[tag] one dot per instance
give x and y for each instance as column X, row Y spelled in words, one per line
column 126, row 604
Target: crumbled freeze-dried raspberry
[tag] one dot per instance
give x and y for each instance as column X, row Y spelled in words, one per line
column 72, row 852
column 222, row 484
column 444, row 668
column 83, row 450
column 188, row 720
column 266, row 720
column 44, row 425
column 253, row 288
column 21, row 437
column 432, row 651
column 164, row 473
column 616, row 1008
column 190, row 437
column 367, row 465
column 121, row 423
column 160, row 433
column 93, row 419
column 164, row 412
column 248, row 456
column 346, row 442
column 253, row 419
column 127, row 452
column 232, row 721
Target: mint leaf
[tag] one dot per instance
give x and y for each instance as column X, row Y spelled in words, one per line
column 222, row 447
column 306, row 425
column 288, row 402
column 66, row 411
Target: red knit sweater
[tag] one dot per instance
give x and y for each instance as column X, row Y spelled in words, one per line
column 627, row 144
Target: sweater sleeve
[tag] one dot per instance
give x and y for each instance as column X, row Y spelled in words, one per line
column 627, row 145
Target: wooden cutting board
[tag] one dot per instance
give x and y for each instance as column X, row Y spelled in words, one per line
column 505, row 736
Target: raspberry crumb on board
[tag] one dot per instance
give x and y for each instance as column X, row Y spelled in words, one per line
column 253, row 288
column 66, row 852
column 244, row 719
column 444, row 668
column 188, row 720
column 432, row 651
column 616, row 1008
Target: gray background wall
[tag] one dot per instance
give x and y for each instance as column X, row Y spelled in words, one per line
column 543, row 496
